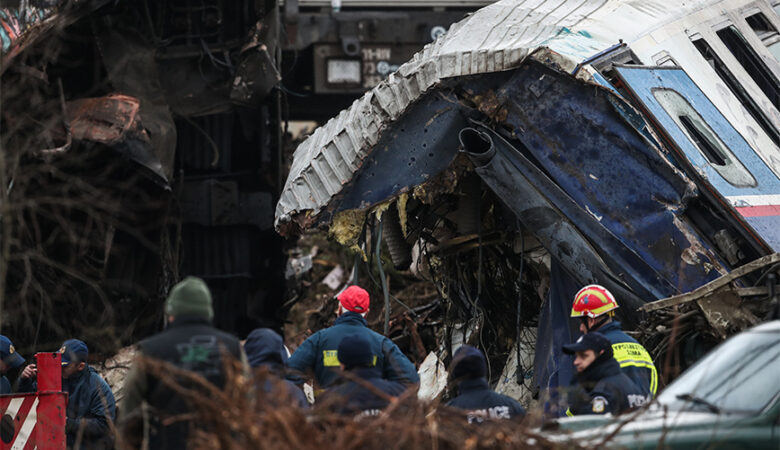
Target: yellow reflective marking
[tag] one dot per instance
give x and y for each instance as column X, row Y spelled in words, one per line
column 631, row 354
column 569, row 413
column 330, row 358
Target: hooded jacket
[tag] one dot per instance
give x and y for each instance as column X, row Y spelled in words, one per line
column 633, row 359
column 474, row 393
column 603, row 388
column 319, row 352
column 265, row 350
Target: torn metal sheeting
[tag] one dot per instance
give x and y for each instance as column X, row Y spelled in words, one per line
column 114, row 121
column 333, row 154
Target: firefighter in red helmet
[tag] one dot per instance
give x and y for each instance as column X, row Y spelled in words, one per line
column 595, row 306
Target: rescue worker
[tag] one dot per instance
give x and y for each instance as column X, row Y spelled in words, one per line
column 9, row 359
column 265, row 351
column 595, row 306
column 469, row 369
column 320, row 351
column 91, row 408
column 351, row 396
column 599, row 386
column 189, row 343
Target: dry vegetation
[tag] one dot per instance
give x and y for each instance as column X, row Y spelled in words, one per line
column 267, row 421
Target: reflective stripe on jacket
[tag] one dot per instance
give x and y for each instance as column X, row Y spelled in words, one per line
column 319, row 353
column 633, row 359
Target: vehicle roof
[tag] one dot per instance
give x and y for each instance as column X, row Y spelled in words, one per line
column 495, row 38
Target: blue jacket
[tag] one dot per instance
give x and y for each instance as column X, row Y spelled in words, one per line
column 352, row 398
column 265, row 350
column 5, row 386
column 90, row 406
column 633, row 359
column 481, row 402
column 603, row 388
column 319, row 353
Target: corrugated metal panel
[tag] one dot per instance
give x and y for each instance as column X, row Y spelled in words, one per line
column 495, row 38
column 396, row 3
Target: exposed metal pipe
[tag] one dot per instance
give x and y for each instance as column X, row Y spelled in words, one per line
column 400, row 250
column 382, row 279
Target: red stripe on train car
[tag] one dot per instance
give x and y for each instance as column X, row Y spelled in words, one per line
column 759, row 211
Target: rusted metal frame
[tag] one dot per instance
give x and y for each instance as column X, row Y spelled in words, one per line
column 714, row 285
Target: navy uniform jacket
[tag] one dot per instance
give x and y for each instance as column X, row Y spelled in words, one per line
column 91, row 405
column 633, row 359
column 351, row 398
column 265, row 350
column 5, row 386
column 318, row 352
column 602, row 388
column 481, row 402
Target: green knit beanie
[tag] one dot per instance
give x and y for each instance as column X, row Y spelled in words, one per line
column 190, row 297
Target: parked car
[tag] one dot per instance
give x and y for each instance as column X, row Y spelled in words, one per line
column 728, row 399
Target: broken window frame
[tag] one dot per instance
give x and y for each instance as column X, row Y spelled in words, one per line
column 750, row 61
column 736, row 88
column 765, row 31
column 717, row 154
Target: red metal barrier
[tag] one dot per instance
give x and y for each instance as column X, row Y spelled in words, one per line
column 29, row 421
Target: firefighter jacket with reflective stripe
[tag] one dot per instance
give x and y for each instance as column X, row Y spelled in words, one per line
column 350, row 397
column 319, row 353
column 633, row 359
column 482, row 403
column 603, row 388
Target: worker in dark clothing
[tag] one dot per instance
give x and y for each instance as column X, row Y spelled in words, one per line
column 265, row 351
column 595, row 306
column 319, row 352
column 351, row 396
column 91, row 407
column 189, row 343
column 600, row 387
column 9, row 359
column 469, row 369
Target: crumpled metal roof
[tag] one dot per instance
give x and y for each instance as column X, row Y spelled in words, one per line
column 495, row 38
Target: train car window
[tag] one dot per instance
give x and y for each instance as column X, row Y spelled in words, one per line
column 736, row 88
column 752, row 63
column 766, row 32
column 704, row 138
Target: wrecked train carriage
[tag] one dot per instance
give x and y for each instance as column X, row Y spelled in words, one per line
column 529, row 151
column 140, row 144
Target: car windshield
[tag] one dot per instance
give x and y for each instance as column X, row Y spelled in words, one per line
column 740, row 375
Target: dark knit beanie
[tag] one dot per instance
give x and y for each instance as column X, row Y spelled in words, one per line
column 190, row 297
column 355, row 351
column 468, row 363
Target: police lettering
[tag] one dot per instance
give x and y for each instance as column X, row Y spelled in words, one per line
column 496, row 412
column 636, row 400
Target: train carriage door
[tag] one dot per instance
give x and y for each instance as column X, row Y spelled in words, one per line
column 708, row 145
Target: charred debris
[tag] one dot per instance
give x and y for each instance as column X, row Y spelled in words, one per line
column 507, row 192
column 140, row 144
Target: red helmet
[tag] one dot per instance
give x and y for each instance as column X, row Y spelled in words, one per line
column 593, row 301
